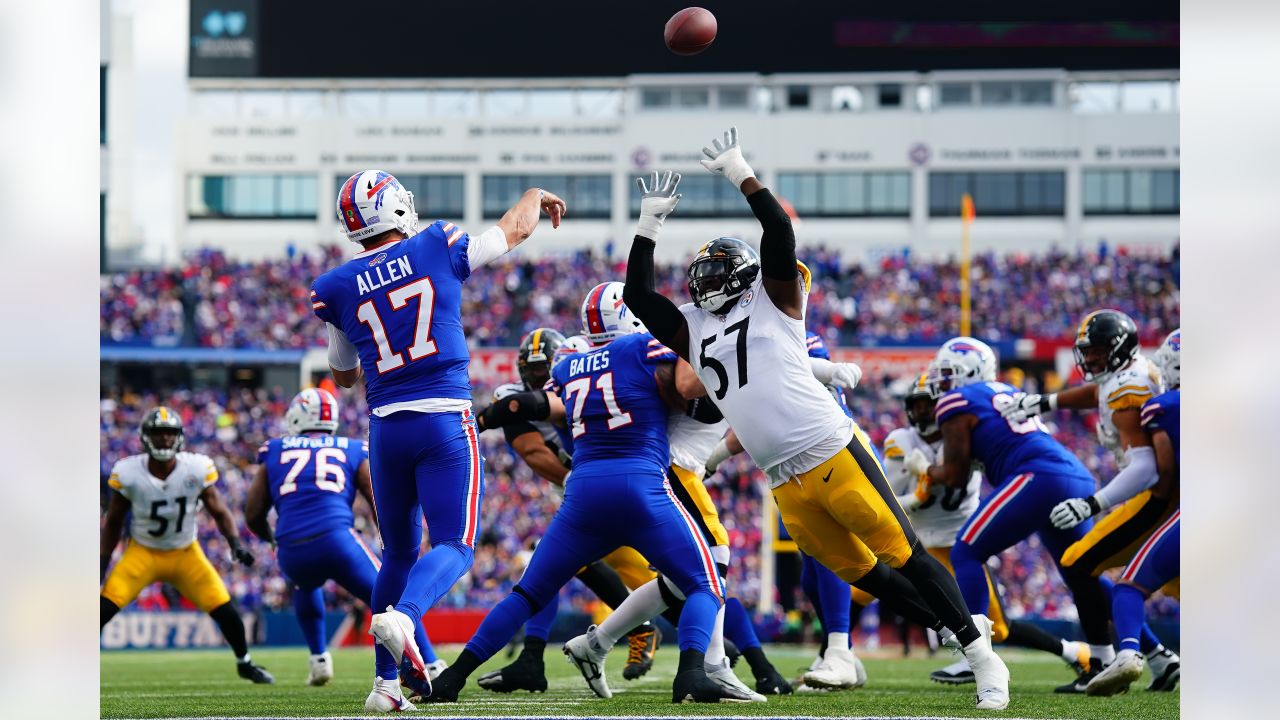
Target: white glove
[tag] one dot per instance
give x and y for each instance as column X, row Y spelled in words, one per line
column 1070, row 513
column 657, row 200
column 719, row 454
column 727, row 159
column 846, row 375
column 1025, row 407
column 916, row 463
column 909, row 502
column 559, row 489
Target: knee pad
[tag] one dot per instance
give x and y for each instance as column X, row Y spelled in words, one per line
column 670, row 593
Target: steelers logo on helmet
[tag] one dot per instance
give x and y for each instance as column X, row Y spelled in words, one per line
column 533, row 359
column 919, row 403
column 721, row 272
column 1106, row 341
column 162, row 434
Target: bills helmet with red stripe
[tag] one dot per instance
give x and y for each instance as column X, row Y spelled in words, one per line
column 372, row 202
column 312, row 410
column 573, row 345
column 1169, row 360
column 606, row 317
column 961, row 361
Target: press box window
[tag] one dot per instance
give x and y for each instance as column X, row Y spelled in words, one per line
column 998, row 193
column 1131, row 192
column 702, row 196
column 252, row 197
column 587, row 196
column 847, row 194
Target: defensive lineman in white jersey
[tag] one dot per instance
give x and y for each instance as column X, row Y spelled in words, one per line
column 744, row 335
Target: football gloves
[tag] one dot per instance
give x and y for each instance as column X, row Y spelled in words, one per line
column 242, row 556
column 1026, row 406
column 726, row 159
column 846, row 376
column 657, row 200
column 916, row 463
column 1070, row 513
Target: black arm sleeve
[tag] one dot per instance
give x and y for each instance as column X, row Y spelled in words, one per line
column 515, row 429
column 778, row 241
column 703, row 410
column 529, row 405
column 658, row 313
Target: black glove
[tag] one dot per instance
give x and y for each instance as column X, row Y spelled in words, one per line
column 242, row 556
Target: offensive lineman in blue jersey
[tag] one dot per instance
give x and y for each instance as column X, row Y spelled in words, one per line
column 311, row 477
column 614, row 398
column 1030, row 470
column 1156, row 562
column 394, row 317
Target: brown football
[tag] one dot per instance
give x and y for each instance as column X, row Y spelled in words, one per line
column 690, row 31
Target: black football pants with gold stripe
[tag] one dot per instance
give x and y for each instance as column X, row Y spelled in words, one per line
column 843, row 513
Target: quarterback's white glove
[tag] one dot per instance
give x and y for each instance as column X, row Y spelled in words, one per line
column 1070, row 513
column 846, row 376
column 726, row 159
column 916, row 463
column 657, row 200
column 1026, row 406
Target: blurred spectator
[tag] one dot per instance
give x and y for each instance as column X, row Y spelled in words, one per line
column 901, row 300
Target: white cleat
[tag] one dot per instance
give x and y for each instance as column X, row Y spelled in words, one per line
column 839, row 670
column 957, row 673
column 989, row 671
column 435, row 668
column 1118, row 676
column 394, row 631
column 725, row 677
column 386, row 697
column 1166, row 670
column 321, row 669
column 585, row 654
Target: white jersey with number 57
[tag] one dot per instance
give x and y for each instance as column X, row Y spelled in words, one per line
column 164, row 511
column 754, row 363
column 938, row 519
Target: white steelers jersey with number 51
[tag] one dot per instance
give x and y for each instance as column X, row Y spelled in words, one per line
column 754, row 363
column 164, row 511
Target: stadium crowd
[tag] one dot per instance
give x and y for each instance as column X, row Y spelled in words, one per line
column 212, row 301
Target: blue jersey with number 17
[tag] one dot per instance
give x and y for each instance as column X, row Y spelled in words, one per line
column 312, row 481
column 615, row 414
column 1006, row 448
column 400, row 305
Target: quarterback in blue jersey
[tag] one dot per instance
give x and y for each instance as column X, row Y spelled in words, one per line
column 394, row 318
column 1031, row 472
column 311, row 477
column 614, row 399
column 1156, row 563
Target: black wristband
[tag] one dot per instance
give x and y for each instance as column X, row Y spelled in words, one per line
column 1095, row 508
column 703, row 410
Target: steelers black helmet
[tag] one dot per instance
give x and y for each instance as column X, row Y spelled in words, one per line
column 534, row 357
column 1105, row 342
column 160, row 421
column 923, row 421
column 721, row 271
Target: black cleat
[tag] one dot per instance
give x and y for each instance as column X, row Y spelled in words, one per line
column 526, row 673
column 772, row 683
column 641, row 648
column 694, row 686
column 446, row 686
column 1077, row 686
column 256, row 673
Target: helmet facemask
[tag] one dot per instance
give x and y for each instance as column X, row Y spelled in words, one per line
column 156, row 451
column 715, row 282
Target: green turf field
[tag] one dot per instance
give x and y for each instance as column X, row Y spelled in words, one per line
column 155, row 684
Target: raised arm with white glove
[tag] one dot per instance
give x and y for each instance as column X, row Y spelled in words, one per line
column 843, row 375
column 726, row 159
column 657, row 199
